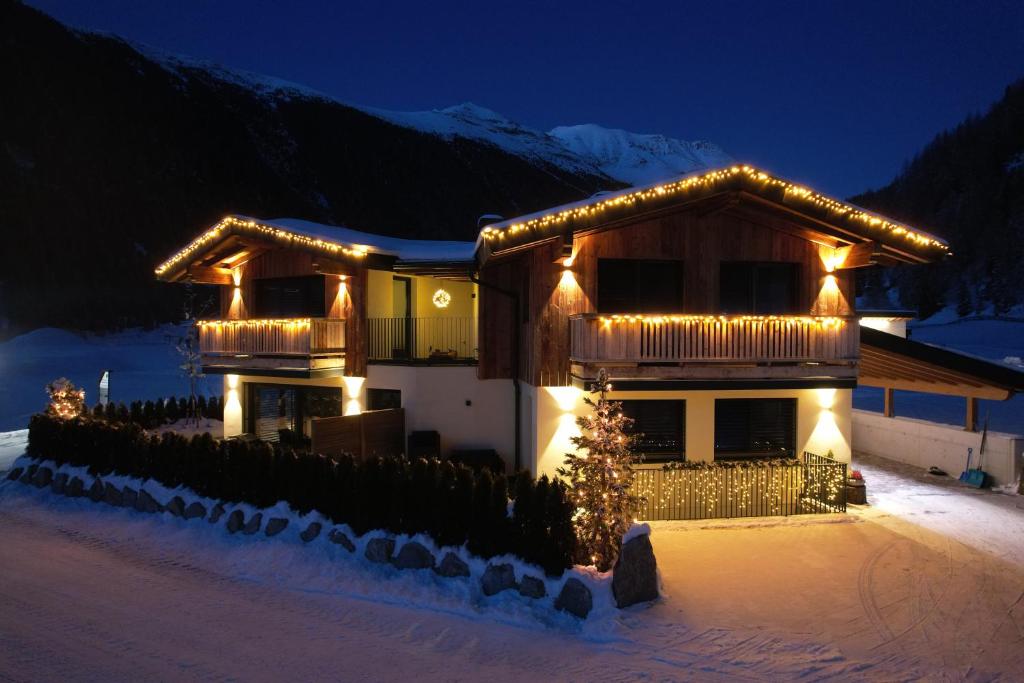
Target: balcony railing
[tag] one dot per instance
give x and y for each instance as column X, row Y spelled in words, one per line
column 294, row 343
column 698, row 339
column 432, row 340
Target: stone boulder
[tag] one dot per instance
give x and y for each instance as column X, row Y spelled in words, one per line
column 253, row 525
column 129, row 497
column 380, row 550
column 236, row 520
column 312, row 531
column 60, row 482
column 575, row 599
column 42, row 478
column 216, row 513
column 452, row 566
column 75, row 488
column 29, row 473
column 532, row 587
column 414, row 555
column 112, row 495
column 635, row 575
column 497, row 578
column 147, row 503
column 96, row 491
column 15, row 473
column 338, row 537
column 275, row 526
column 195, row 510
column 176, row 506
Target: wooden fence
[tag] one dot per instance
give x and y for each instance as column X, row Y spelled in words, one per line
column 368, row 434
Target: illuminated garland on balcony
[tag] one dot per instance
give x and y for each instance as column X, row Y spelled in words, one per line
column 261, row 230
column 708, row 180
column 823, row 321
column 255, row 322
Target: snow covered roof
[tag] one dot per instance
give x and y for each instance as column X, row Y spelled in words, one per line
column 604, row 207
column 328, row 239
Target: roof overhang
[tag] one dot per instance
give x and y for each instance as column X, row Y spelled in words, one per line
column 892, row 362
column 751, row 192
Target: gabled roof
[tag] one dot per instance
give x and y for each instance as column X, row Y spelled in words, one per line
column 329, row 240
column 838, row 221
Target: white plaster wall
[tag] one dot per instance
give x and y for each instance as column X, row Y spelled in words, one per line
column 897, row 327
column 923, row 444
column 823, row 420
column 435, row 398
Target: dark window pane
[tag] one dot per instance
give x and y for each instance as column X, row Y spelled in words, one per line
column 383, row 399
column 662, row 425
column 755, row 428
column 639, row 286
column 759, row 288
column 736, row 288
column 289, row 297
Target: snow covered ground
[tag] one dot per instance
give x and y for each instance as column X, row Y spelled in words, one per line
column 925, row 583
column 142, row 364
column 995, row 340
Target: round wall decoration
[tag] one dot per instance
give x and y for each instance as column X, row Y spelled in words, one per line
column 442, row 298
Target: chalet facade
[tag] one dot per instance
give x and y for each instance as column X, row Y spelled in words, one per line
column 722, row 305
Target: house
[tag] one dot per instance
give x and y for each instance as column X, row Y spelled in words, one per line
column 721, row 304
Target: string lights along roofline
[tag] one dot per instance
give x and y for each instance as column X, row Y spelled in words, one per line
column 592, row 208
column 247, row 225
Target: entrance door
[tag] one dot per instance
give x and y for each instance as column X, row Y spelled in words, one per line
column 401, row 321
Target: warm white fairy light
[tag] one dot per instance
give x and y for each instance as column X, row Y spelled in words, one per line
column 708, row 180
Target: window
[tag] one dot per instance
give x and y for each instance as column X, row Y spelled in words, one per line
column 275, row 412
column 755, row 428
column 759, row 288
column 383, row 399
column 289, row 297
column 663, row 428
column 639, row 286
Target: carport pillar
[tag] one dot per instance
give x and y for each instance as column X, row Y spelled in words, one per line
column 971, row 423
column 890, row 406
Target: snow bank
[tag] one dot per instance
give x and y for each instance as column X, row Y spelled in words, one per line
column 322, row 566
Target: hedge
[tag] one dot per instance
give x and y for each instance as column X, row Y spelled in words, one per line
column 149, row 414
column 450, row 503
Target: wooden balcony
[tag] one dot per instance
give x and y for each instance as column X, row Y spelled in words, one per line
column 436, row 340
column 300, row 347
column 714, row 347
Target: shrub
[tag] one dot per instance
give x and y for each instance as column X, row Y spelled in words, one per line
column 450, row 503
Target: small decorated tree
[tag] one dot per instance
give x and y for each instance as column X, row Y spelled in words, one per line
column 600, row 477
column 66, row 400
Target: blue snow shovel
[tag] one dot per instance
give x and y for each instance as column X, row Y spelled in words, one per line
column 977, row 476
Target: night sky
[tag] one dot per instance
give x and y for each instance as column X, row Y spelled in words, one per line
column 836, row 95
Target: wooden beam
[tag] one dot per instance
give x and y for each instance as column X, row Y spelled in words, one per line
column 858, row 255
column 890, row 403
column 991, row 393
column 971, row 423
column 209, row 276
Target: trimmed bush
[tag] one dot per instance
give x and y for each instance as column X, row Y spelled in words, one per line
column 450, row 503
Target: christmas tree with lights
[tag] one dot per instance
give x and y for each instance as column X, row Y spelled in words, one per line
column 66, row 400
column 600, row 477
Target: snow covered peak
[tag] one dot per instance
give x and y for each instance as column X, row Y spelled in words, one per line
column 636, row 158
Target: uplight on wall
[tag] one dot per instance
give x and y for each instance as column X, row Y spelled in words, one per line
column 441, row 298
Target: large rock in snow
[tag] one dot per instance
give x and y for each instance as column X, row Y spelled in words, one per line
column 30, row 471
column 42, row 477
column 380, row 550
column 452, row 566
column 635, row 576
column 15, row 473
column 414, row 555
column 275, row 526
column 236, row 520
column 216, row 513
column 575, row 599
column 111, row 495
column 147, row 503
column 338, row 537
column 253, row 525
column 532, row 587
column 311, row 532
column 176, row 506
column 96, row 491
column 195, row 510
column 129, row 497
column 497, row 578
column 60, row 483
column 75, row 488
